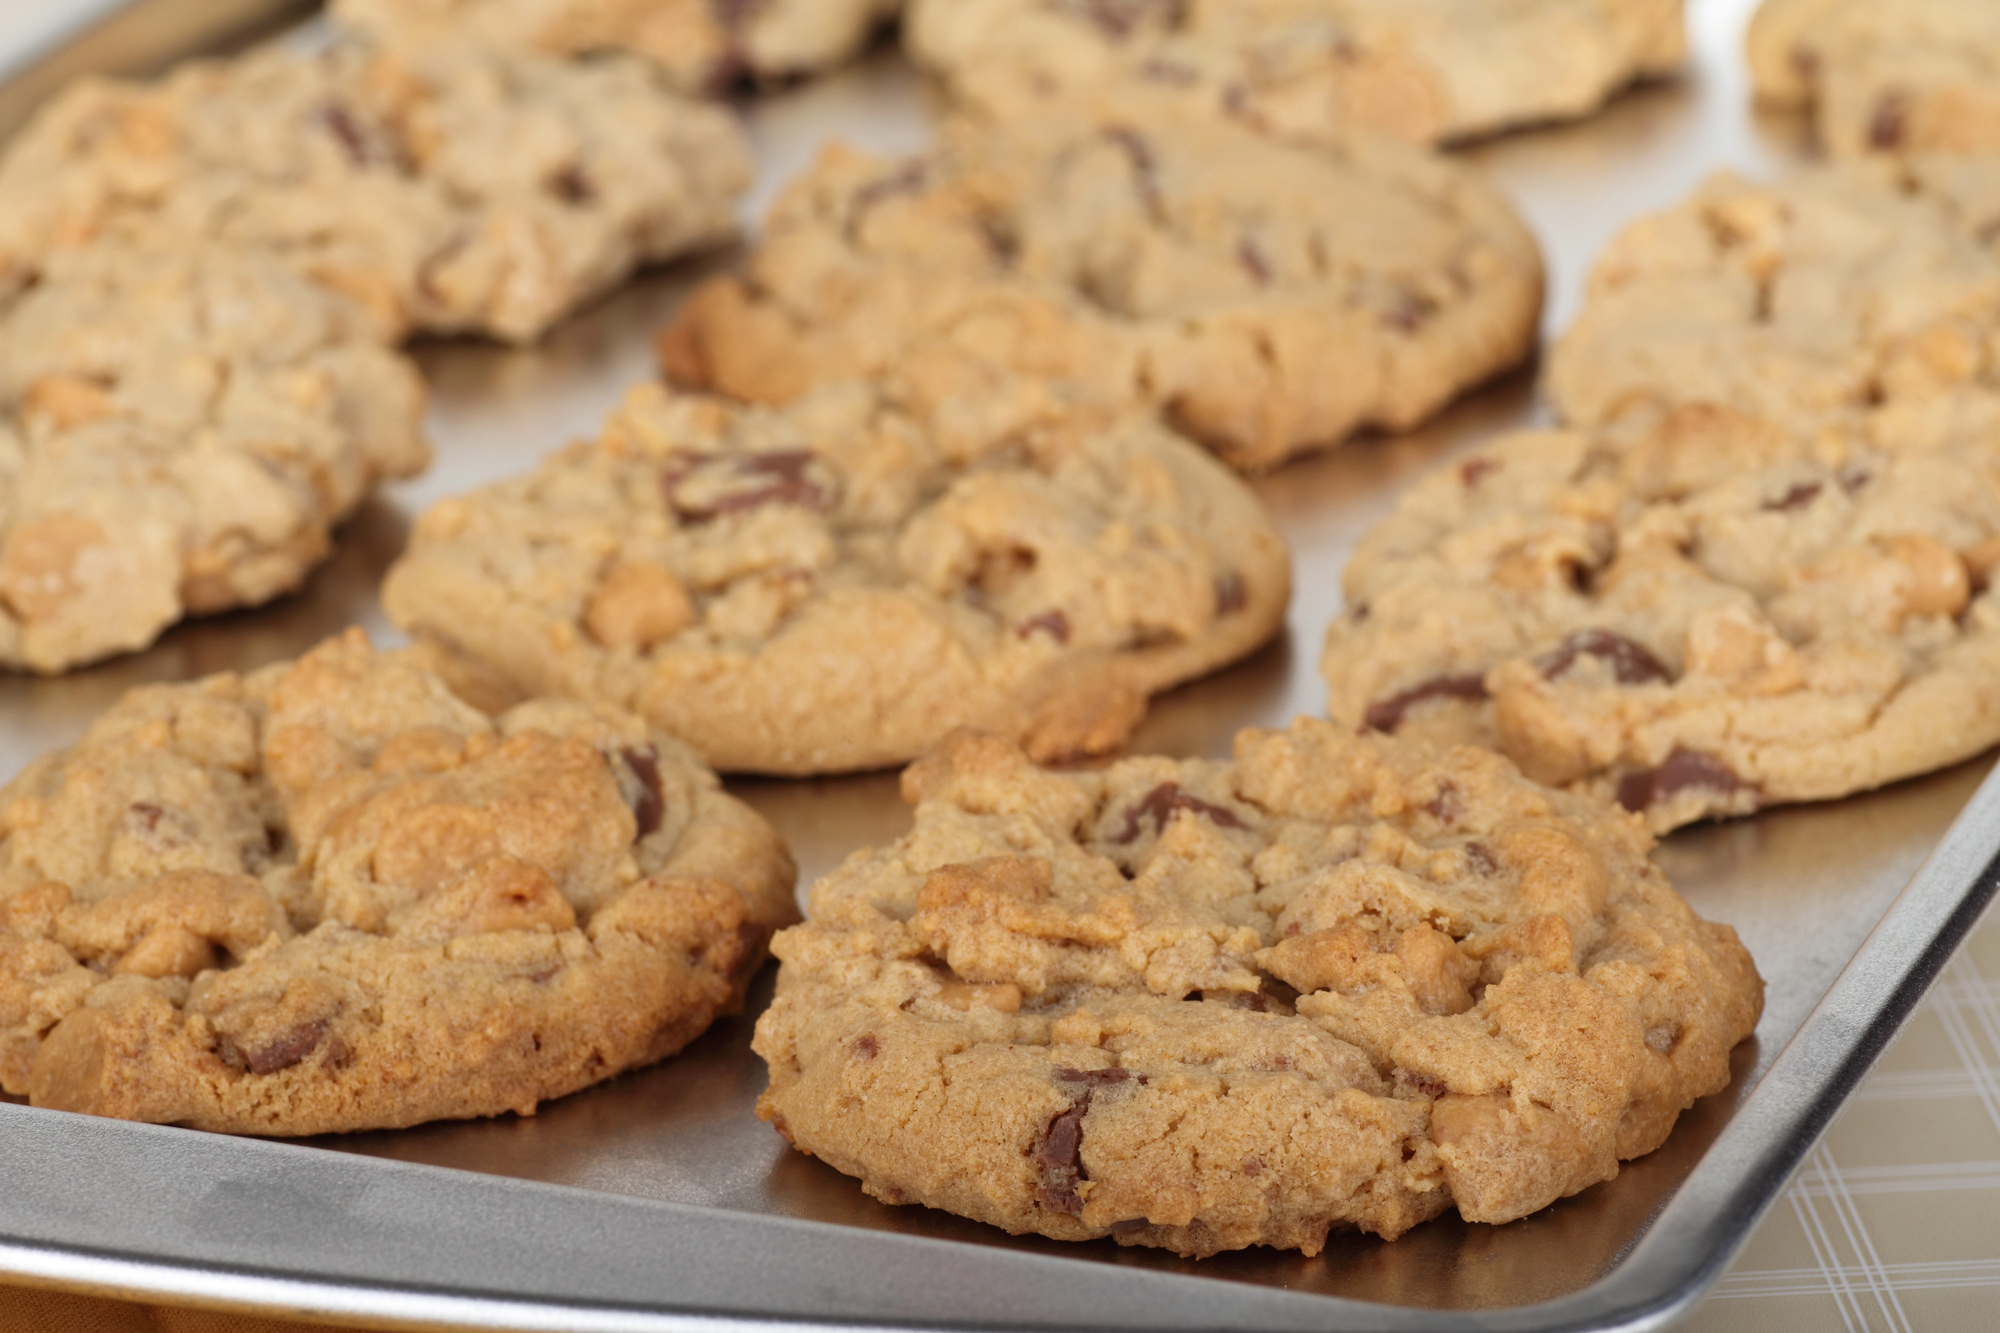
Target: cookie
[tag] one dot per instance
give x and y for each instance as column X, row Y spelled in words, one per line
column 1269, row 298
column 701, row 46
column 1334, row 982
column 449, row 190
column 1910, row 76
column 1424, row 70
column 331, row 895
column 1698, row 619
column 179, row 433
column 839, row 584
column 1859, row 299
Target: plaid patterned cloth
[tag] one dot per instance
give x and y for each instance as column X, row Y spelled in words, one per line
column 1891, row 1226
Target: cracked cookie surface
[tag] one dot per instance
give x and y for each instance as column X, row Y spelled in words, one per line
column 1422, row 70
column 1270, row 298
column 838, row 584
column 1913, row 76
column 1334, row 982
column 331, row 895
column 449, row 190
column 179, row 433
column 700, row 45
column 1697, row 619
column 1861, row 299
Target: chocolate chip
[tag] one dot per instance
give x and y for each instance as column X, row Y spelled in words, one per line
column 1446, row 805
column 1130, row 1226
column 1096, row 1078
column 1887, row 125
column 1359, row 613
column 1001, row 242
column 1060, row 1158
column 147, row 814
column 1798, row 497
column 1472, row 469
column 1052, row 623
column 906, row 179
column 1409, row 311
column 704, row 486
column 1253, row 261
column 283, row 1053
column 1630, row 663
column 1145, row 168
column 1159, row 805
column 647, row 801
column 1253, row 1166
column 866, row 1047
column 1230, row 594
column 572, row 187
column 1482, row 858
column 340, row 123
column 1683, row 769
column 1388, row 714
column 1427, row 1085
column 1119, row 19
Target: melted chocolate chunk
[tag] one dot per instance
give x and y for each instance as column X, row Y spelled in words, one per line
column 1388, row 714
column 1145, row 167
column 1446, row 806
column 1253, row 261
column 283, row 1053
column 1230, row 594
column 1096, row 1078
column 1887, row 126
column 741, row 482
column 339, row 122
column 1119, row 19
column 1130, row 1226
column 1630, row 663
column 1683, row 769
column 1060, row 1158
column 648, row 804
column 1482, row 858
column 1159, row 805
column 1052, row 623
column 1798, row 497
column 572, row 187
column 866, row 1047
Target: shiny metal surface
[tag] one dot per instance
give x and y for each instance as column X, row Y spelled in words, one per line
column 679, row 1209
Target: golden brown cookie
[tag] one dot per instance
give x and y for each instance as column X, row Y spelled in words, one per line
column 1422, row 70
column 838, row 584
column 1334, row 982
column 332, row 895
column 1270, row 298
column 1697, row 619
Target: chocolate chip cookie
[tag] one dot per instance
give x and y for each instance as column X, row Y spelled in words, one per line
column 449, row 190
column 1270, row 298
column 180, row 430
column 1336, row 982
column 702, row 46
column 1423, row 70
column 1908, row 76
column 1696, row 618
column 838, row 584
column 1860, row 299
column 331, row 895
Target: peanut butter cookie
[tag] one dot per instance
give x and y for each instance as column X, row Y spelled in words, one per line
column 1912, row 75
column 1698, row 619
column 331, row 895
column 1271, row 298
column 180, row 430
column 702, row 46
column 449, row 190
column 1334, row 982
column 1423, row 70
column 838, row 584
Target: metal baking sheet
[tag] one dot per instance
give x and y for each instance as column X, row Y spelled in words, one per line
column 659, row 1202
